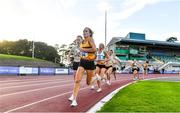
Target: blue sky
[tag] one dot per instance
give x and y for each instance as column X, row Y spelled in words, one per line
column 60, row 21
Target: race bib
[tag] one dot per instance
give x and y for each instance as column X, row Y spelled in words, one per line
column 84, row 54
column 100, row 57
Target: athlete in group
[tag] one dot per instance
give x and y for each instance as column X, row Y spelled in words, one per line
column 145, row 68
column 111, row 66
column 87, row 57
column 75, row 54
column 116, row 63
column 101, row 59
column 135, row 69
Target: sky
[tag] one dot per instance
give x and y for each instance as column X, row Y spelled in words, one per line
column 60, row 21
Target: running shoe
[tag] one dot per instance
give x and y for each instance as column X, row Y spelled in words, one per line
column 92, row 87
column 74, row 103
column 71, row 98
column 108, row 82
column 99, row 90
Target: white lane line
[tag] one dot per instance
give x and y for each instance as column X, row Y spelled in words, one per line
column 17, row 83
column 161, row 78
column 22, row 79
column 9, row 81
column 27, row 105
column 34, row 90
column 34, row 84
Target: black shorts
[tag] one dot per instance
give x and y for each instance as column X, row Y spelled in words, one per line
column 135, row 68
column 145, row 69
column 100, row 66
column 75, row 65
column 114, row 69
column 87, row 64
column 107, row 67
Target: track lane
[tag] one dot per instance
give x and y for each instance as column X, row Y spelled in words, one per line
column 60, row 103
column 27, row 97
column 27, row 88
column 4, row 79
column 17, row 99
column 27, row 81
column 86, row 99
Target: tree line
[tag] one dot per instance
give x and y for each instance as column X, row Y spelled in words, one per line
column 24, row 47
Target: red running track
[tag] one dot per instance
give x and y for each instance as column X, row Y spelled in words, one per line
column 50, row 93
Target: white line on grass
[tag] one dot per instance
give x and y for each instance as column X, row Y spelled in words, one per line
column 98, row 106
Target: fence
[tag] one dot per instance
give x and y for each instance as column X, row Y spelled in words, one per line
column 10, row 70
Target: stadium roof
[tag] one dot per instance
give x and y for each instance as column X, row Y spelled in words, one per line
column 145, row 42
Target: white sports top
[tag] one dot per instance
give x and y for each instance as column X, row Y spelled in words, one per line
column 100, row 56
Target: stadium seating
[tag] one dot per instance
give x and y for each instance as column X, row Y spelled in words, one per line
column 166, row 59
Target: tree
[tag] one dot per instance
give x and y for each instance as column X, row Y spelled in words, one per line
column 56, row 47
column 23, row 48
column 43, row 51
column 6, row 47
column 171, row 39
column 63, row 52
column 63, row 46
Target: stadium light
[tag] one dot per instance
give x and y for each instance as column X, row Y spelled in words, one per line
column 33, row 49
column 105, row 27
column 104, row 6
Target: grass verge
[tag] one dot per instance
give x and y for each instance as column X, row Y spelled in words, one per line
column 4, row 57
column 146, row 96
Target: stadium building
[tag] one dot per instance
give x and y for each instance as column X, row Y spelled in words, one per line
column 160, row 54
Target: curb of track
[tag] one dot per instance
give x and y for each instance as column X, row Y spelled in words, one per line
column 98, row 105
column 101, row 103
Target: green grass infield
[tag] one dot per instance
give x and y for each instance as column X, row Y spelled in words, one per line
column 146, row 96
column 14, row 57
